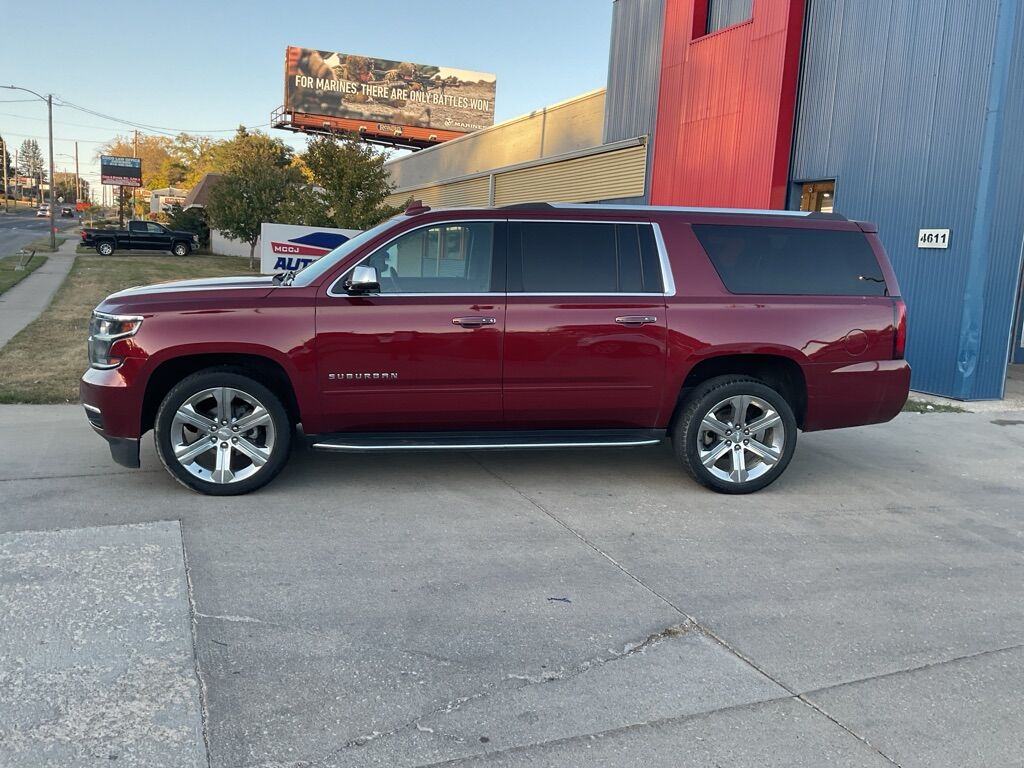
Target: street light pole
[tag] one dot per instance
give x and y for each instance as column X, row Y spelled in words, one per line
column 49, row 109
column 53, row 180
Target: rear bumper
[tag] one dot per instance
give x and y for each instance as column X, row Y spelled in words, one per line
column 853, row 395
column 113, row 409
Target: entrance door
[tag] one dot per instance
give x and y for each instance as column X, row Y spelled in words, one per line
column 425, row 352
column 585, row 339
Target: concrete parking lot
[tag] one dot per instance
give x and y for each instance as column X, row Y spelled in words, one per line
column 580, row 609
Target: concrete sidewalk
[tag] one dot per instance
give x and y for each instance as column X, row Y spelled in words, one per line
column 23, row 303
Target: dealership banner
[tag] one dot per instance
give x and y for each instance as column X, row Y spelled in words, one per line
column 392, row 92
column 287, row 247
column 121, row 171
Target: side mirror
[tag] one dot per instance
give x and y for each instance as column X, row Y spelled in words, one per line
column 364, row 280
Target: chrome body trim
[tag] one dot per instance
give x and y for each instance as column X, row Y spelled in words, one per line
column 668, row 281
column 92, row 409
column 347, row 448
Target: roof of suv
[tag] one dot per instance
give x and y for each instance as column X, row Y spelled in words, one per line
column 417, row 208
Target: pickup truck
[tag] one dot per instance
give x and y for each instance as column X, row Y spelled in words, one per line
column 140, row 236
column 538, row 326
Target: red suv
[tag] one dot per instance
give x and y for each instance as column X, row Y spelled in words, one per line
column 533, row 326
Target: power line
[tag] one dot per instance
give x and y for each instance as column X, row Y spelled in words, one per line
column 153, row 128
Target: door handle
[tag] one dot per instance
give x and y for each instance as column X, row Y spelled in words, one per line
column 473, row 322
column 636, row 319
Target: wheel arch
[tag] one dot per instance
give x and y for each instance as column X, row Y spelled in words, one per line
column 780, row 372
column 264, row 369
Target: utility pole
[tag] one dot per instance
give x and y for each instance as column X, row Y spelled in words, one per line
column 3, row 159
column 135, row 153
column 78, row 179
column 53, row 213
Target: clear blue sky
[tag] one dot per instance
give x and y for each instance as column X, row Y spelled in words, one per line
column 213, row 65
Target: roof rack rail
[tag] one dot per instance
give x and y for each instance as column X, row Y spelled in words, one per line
column 527, row 207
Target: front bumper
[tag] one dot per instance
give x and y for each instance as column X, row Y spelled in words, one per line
column 113, row 409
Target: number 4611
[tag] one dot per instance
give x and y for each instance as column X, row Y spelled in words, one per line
column 934, row 238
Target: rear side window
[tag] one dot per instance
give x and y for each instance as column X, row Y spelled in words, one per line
column 578, row 257
column 790, row 261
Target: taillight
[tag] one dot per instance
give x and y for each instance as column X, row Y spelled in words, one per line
column 899, row 321
column 83, row 234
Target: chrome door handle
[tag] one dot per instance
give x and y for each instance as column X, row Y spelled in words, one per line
column 636, row 319
column 473, row 322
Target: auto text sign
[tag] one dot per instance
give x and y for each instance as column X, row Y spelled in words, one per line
column 287, row 247
column 933, row 238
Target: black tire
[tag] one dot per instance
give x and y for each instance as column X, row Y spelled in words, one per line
column 105, row 248
column 690, row 437
column 180, row 249
column 200, row 476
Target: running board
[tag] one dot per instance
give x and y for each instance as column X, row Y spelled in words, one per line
column 485, row 441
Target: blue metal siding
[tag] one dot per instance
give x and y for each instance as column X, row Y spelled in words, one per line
column 1007, row 243
column 892, row 105
column 634, row 70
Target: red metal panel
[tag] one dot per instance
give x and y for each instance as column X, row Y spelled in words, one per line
column 726, row 107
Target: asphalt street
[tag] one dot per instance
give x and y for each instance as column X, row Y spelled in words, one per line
column 588, row 608
column 18, row 229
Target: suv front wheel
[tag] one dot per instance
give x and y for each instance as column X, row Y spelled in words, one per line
column 735, row 434
column 222, row 433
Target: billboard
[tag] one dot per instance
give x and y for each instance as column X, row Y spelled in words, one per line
column 286, row 247
column 394, row 93
column 121, row 171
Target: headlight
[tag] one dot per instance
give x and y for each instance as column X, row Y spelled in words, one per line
column 195, row 238
column 106, row 329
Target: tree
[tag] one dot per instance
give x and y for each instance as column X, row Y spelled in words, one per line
column 250, row 195
column 353, row 179
column 30, row 160
column 5, row 160
column 155, row 151
column 192, row 220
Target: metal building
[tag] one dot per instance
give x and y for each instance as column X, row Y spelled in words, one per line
column 902, row 112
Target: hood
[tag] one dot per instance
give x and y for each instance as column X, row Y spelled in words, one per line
column 204, row 284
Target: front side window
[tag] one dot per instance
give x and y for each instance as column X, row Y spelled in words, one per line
column 447, row 258
column 577, row 257
column 154, row 229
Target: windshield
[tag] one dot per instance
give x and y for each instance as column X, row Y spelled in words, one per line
column 325, row 263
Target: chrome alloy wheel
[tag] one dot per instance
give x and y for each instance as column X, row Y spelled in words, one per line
column 222, row 435
column 740, row 439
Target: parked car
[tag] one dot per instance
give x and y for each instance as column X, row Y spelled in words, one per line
column 43, row 211
column 140, row 236
column 66, row 212
column 540, row 326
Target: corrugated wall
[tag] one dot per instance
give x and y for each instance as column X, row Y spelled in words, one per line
column 725, row 107
column 634, row 69
column 634, row 72
column 892, row 105
column 569, row 126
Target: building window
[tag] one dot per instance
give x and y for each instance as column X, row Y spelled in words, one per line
column 818, row 196
column 725, row 13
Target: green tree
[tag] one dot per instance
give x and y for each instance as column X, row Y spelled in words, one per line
column 192, row 220
column 353, row 181
column 251, row 194
column 5, row 160
column 30, row 160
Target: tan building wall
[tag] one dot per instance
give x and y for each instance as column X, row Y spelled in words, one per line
column 556, row 130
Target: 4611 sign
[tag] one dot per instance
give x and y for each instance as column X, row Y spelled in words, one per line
column 933, row 238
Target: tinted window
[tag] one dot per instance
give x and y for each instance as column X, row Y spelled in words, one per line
column 154, row 229
column 556, row 257
column 448, row 258
column 784, row 260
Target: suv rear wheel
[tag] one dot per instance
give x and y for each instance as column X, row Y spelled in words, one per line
column 221, row 433
column 735, row 434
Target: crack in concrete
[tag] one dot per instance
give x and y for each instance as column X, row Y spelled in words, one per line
column 707, row 631
column 204, row 712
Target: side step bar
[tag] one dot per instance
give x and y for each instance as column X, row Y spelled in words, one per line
column 484, row 441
